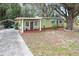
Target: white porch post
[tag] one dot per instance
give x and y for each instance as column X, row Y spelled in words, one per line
column 29, row 25
column 40, row 25
column 22, row 26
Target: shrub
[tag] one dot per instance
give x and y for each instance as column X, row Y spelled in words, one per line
column 54, row 27
column 9, row 23
column 16, row 26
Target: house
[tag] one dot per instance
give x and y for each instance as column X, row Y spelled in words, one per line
column 31, row 23
column 59, row 21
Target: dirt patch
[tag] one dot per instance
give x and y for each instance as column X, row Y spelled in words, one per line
column 52, row 42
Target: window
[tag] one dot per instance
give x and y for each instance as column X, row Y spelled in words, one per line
column 60, row 21
column 53, row 21
column 27, row 23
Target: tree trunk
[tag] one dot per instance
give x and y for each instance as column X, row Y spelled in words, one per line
column 70, row 21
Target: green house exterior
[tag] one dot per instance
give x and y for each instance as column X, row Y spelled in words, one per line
column 25, row 23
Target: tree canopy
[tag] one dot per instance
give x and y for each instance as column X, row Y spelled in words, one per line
column 13, row 10
column 44, row 9
column 67, row 10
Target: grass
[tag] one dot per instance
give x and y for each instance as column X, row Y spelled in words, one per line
column 54, row 42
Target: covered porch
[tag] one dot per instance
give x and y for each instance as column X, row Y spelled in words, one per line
column 29, row 23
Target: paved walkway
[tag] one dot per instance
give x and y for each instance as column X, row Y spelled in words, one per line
column 12, row 44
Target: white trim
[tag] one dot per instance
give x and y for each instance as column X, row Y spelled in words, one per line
column 40, row 25
column 30, row 18
column 29, row 25
column 22, row 30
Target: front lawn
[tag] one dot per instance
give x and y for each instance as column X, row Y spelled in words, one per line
column 52, row 42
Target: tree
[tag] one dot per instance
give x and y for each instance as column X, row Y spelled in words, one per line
column 27, row 10
column 13, row 11
column 44, row 9
column 9, row 13
column 10, row 10
column 69, row 11
column 3, row 8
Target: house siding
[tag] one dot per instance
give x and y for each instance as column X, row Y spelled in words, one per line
column 45, row 23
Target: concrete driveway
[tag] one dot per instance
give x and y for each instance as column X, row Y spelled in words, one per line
column 12, row 44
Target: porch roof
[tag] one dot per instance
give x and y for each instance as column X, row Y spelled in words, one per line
column 28, row 18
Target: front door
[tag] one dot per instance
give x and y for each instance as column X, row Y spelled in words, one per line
column 31, row 25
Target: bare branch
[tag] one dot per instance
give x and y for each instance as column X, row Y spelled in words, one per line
column 60, row 13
